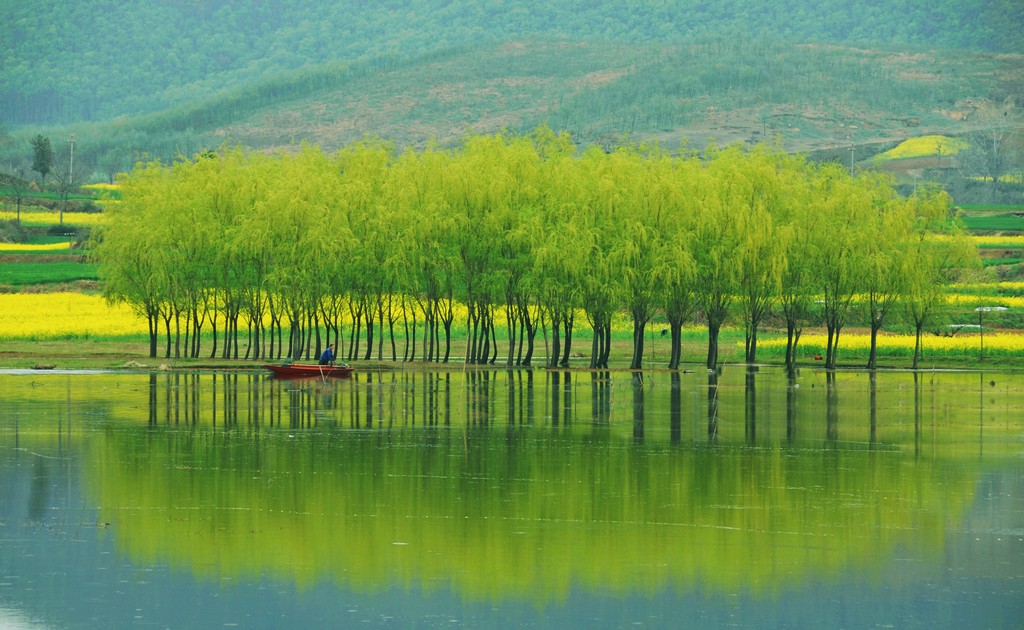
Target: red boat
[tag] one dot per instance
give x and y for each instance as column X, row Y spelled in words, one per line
column 304, row 370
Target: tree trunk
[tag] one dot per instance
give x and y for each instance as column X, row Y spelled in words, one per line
column 713, row 330
column 154, row 332
column 447, row 339
column 829, row 347
column 751, row 344
column 531, row 336
column 556, row 344
column 792, row 341
column 213, row 326
column 873, row 354
column 833, row 351
column 369, row 337
column 918, row 326
column 638, row 345
column 177, row 335
column 606, row 346
column 676, row 351
column 167, row 332
column 410, row 343
column 510, row 318
column 567, row 347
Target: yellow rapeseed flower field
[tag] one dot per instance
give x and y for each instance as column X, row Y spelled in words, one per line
column 64, row 315
column 925, row 146
column 960, row 299
column 25, row 247
column 903, row 345
column 1009, row 241
column 995, row 288
column 51, row 217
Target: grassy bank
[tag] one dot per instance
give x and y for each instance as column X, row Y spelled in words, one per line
column 1002, row 351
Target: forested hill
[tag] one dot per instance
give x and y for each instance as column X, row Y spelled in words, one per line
column 65, row 61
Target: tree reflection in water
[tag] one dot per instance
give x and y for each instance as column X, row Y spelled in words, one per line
column 241, row 475
column 713, row 405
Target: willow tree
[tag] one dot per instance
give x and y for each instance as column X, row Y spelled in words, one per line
column 714, row 242
column 843, row 202
column 756, row 187
column 363, row 172
column 127, row 244
column 643, row 177
column 515, row 185
column 553, row 186
column 564, row 244
column 215, row 191
column 427, row 247
column 477, row 185
column 887, row 234
column 802, row 239
column 593, row 204
column 193, row 239
column 680, row 269
column 246, row 258
column 559, row 263
column 155, row 247
column 936, row 253
column 517, row 225
column 301, row 243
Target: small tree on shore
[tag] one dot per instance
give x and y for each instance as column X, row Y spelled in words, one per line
column 42, row 156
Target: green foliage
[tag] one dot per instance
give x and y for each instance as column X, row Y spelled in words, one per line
column 42, row 155
column 12, row 232
column 367, row 239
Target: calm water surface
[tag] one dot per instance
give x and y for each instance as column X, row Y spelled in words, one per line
column 512, row 498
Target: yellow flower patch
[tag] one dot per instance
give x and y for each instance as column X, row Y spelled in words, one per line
column 986, row 300
column 25, row 247
column 1009, row 242
column 51, row 217
column 966, row 342
column 64, row 315
column 925, row 146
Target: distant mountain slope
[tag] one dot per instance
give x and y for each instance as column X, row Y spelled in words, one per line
column 726, row 90
column 95, row 59
column 833, row 102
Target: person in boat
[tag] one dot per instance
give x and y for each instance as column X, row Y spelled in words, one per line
column 327, row 358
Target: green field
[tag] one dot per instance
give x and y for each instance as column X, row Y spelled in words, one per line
column 999, row 222
column 28, row 273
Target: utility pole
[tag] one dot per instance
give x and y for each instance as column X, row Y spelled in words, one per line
column 71, row 167
column 849, row 136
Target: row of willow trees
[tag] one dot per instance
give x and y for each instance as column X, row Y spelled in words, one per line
column 285, row 253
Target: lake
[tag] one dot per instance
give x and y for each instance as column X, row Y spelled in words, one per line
column 509, row 498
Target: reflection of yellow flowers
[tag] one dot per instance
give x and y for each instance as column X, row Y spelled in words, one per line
column 64, row 315
column 25, row 247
